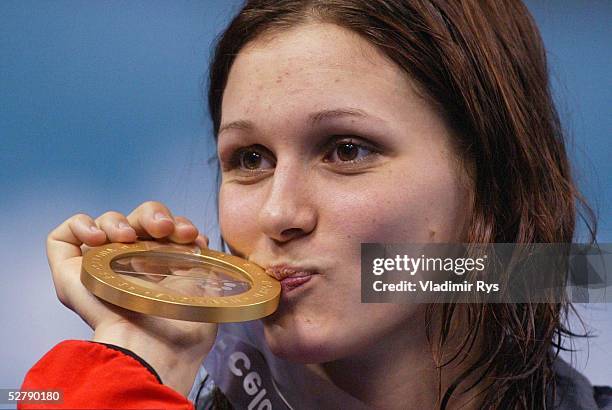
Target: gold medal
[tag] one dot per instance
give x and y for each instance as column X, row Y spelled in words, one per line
column 179, row 282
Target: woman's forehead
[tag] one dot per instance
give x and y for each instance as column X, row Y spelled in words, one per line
column 303, row 71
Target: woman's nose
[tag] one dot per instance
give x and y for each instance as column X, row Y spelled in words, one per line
column 289, row 210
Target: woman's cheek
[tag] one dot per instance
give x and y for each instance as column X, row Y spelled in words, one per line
column 405, row 204
column 384, row 208
column 237, row 217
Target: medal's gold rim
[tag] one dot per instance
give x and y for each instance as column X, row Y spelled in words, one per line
column 259, row 301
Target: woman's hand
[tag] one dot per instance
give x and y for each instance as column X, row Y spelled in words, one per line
column 174, row 348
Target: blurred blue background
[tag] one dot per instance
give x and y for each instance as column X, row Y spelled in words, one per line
column 101, row 108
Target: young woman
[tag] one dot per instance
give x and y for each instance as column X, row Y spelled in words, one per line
column 337, row 123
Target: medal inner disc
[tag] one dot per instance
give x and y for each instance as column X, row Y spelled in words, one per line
column 180, row 274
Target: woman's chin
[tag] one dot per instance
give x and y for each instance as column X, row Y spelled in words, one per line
column 300, row 345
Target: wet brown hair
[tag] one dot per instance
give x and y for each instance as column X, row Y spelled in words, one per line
column 483, row 65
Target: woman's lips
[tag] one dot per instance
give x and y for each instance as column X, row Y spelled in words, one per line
column 290, row 283
column 290, row 277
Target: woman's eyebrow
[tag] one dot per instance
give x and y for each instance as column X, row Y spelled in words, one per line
column 237, row 125
column 316, row 117
column 313, row 118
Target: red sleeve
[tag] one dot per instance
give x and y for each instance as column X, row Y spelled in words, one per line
column 94, row 376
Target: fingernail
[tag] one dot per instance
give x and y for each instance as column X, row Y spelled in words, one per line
column 159, row 216
column 94, row 229
column 124, row 225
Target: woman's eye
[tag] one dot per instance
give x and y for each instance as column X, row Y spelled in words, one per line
column 254, row 159
column 349, row 152
column 250, row 160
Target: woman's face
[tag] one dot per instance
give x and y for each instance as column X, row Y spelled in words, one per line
column 324, row 144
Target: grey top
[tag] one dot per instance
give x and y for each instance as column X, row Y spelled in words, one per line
column 576, row 392
column 250, row 376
